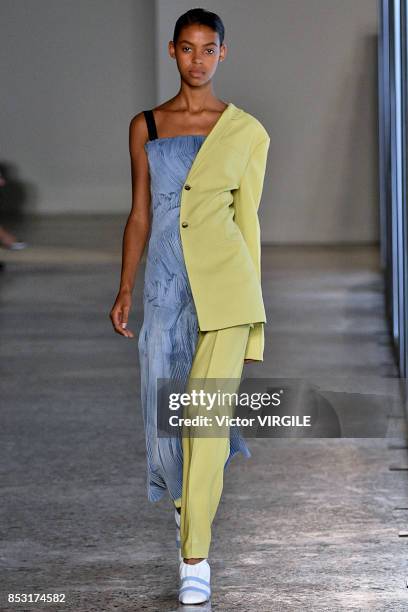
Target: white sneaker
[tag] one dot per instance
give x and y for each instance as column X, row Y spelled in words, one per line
column 178, row 538
column 194, row 582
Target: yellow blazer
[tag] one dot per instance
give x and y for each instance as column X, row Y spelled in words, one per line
column 219, row 226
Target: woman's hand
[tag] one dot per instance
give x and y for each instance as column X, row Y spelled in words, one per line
column 120, row 313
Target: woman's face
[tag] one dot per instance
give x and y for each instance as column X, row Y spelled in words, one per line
column 197, row 53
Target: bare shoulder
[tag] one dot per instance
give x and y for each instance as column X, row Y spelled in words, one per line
column 138, row 121
column 138, row 133
column 165, row 107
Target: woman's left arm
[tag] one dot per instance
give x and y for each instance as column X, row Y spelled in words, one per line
column 246, row 204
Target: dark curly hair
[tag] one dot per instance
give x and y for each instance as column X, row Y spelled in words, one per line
column 201, row 17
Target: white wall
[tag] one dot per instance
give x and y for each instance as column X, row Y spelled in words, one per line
column 308, row 70
column 73, row 73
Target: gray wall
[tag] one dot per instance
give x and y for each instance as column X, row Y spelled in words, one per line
column 73, row 73
column 308, row 70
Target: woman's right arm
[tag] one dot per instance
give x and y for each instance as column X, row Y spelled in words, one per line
column 137, row 226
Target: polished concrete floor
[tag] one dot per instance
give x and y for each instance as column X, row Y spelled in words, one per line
column 305, row 524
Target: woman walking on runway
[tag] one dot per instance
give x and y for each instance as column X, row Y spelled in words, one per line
column 198, row 168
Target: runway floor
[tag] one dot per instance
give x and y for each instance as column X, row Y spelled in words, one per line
column 304, row 524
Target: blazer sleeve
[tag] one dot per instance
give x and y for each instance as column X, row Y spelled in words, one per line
column 246, row 203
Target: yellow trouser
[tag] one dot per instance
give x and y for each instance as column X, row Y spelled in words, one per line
column 219, row 355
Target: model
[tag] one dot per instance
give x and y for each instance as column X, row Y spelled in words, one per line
column 198, row 168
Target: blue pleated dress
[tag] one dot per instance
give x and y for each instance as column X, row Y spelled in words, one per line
column 169, row 333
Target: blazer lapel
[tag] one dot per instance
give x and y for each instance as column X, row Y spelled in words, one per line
column 217, row 130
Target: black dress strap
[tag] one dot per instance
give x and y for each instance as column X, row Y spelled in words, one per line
column 151, row 124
